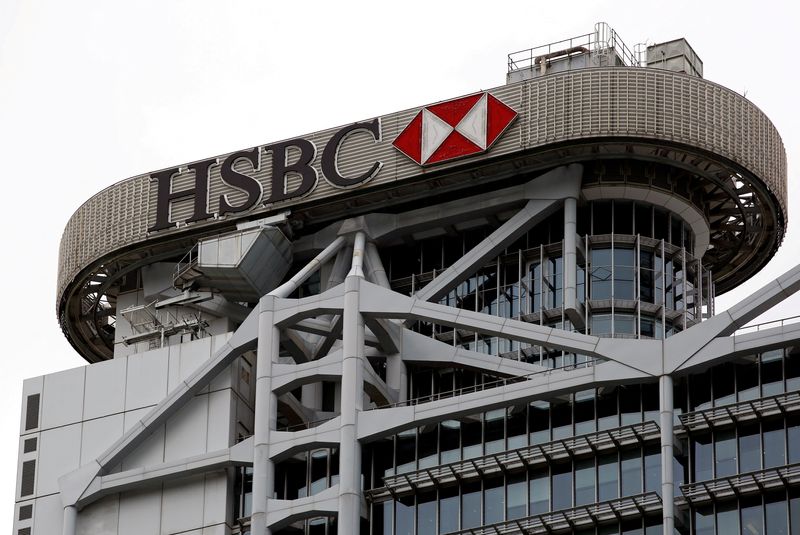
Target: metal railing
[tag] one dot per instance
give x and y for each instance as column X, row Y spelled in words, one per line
column 485, row 386
column 741, row 411
column 747, row 329
column 574, row 518
column 516, row 459
column 601, row 40
column 741, row 484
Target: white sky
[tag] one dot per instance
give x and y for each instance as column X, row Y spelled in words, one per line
column 94, row 92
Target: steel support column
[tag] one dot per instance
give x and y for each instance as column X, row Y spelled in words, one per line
column 352, row 393
column 70, row 522
column 666, row 410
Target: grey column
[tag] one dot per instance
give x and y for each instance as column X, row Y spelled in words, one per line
column 70, row 520
column 570, row 251
column 351, row 396
column 666, row 410
column 265, row 415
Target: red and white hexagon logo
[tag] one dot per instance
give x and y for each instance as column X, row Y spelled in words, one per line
column 455, row 128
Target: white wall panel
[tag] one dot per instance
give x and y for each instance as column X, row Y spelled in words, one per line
column 140, row 512
column 62, row 398
column 215, row 508
column 147, row 378
column 99, row 518
column 187, row 430
column 99, row 434
column 49, row 515
column 221, row 411
column 182, row 506
column 59, row 454
column 105, row 389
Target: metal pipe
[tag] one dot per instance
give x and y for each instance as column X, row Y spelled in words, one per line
column 301, row 276
column 666, row 416
column 70, row 523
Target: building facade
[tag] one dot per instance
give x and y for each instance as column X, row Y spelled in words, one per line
column 492, row 314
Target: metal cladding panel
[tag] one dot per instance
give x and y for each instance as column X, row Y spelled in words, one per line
column 636, row 103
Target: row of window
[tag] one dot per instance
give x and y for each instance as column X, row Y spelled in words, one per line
column 511, row 427
column 514, row 496
column 745, row 448
column 776, row 513
column 767, row 374
column 306, row 474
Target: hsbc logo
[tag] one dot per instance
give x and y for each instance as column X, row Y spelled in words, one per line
column 454, row 129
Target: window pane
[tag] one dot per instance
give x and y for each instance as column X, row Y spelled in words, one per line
column 725, row 453
column 793, row 436
column 539, row 492
column 608, row 479
column 517, row 497
column 752, row 520
column 584, row 482
column 704, row 521
column 426, row 514
column 493, row 428
column 749, row 448
column 727, row 519
column 494, row 503
column 539, row 422
column 404, row 512
column 652, row 470
column 631, row 472
column 448, row 510
column 776, row 515
column 702, row 458
column 747, row 381
column 772, row 373
column 562, row 486
column 449, row 435
column 470, row 506
column 774, row 446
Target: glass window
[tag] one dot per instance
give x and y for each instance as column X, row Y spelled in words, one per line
column 494, row 429
column 449, row 435
column 608, row 478
column 727, row 518
column 793, row 438
column 448, row 510
column 584, row 482
column 725, row 453
column 404, row 515
column 319, row 471
column 772, row 373
column 539, row 492
column 794, row 512
column 644, row 220
column 652, row 469
column 623, row 273
column 601, row 217
column 631, row 472
column 630, row 404
column 562, row 420
column 747, row 380
column 406, row 451
column 704, row 521
column 702, row 459
column 624, row 324
column 539, row 422
column 382, row 516
column 600, row 275
column 752, row 519
column 700, row 391
column 724, row 384
column 517, row 497
column 623, row 217
column 426, row 514
column 562, row 486
column 516, row 427
column 749, row 448
column 607, row 415
column 584, row 412
column 792, row 369
column 494, row 503
column 470, row 506
column 601, row 324
column 775, row 514
column 774, row 444
column 631, row 527
column 471, row 437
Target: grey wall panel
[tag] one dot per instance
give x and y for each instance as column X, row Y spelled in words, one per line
column 147, row 378
column 187, row 430
column 49, row 515
column 98, row 434
column 182, row 506
column 105, row 389
column 100, row 517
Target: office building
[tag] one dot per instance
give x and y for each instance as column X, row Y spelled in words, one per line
column 489, row 315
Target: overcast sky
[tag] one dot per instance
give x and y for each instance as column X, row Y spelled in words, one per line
column 95, row 92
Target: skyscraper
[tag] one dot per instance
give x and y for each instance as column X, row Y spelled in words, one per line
column 491, row 314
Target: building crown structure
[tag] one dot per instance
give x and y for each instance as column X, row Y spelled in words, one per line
column 489, row 315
